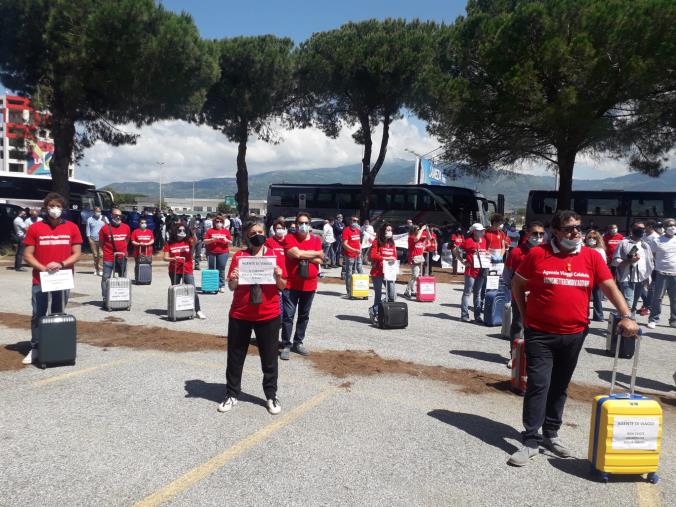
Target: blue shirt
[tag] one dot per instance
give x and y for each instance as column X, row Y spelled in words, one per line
column 94, row 225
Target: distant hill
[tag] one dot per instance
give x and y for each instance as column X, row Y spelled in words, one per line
column 515, row 186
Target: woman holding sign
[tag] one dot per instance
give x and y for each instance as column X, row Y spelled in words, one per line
column 256, row 276
column 383, row 251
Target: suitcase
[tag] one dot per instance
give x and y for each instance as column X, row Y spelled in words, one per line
column 392, row 315
column 359, row 287
column 210, row 281
column 625, row 433
column 425, row 289
column 181, row 301
column 519, row 375
column 57, row 335
column 627, row 344
column 506, row 320
column 117, row 291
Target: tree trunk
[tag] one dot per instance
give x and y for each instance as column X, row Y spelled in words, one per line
column 242, row 173
column 566, row 160
column 366, row 179
column 63, row 131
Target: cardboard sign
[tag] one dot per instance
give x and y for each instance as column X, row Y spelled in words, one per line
column 639, row 432
column 390, row 270
column 257, row 270
column 185, row 303
column 481, row 260
column 56, row 281
column 118, row 294
column 492, row 282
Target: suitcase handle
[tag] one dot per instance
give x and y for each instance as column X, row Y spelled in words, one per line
column 634, row 367
column 176, row 267
column 50, row 299
column 115, row 254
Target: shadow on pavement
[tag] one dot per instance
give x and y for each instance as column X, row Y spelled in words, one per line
column 21, row 348
column 497, row 335
column 451, row 305
column 660, row 336
column 157, row 311
column 582, row 468
column 597, row 352
column 623, row 378
column 598, row 332
column 330, row 293
column 487, row 430
column 481, row 356
column 215, row 392
column 354, row 318
column 443, row 316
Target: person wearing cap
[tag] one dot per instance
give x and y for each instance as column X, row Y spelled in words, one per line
column 477, row 263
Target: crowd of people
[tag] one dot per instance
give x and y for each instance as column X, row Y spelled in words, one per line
column 561, row 267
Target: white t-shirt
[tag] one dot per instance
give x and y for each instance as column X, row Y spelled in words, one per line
column 664, row 249
column 327, row 233
column 19, row 227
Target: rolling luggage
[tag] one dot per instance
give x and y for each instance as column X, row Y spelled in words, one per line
column 143, row 269
column 359, row 286
column 181, row 300
column 425, row 289
column 57, row 335
column 210, row 281
column 117, row 289
column 625, row 433
column 392, row 315
column 519, row 379
column 506, row 320
column 627, row 343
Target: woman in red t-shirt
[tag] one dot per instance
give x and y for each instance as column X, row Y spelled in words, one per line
column 178, row 253
column 254, row 307
column 217, row 241
column 417, row 239
column 383, row 250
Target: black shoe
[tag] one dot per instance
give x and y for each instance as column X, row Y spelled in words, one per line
column 478, row 320
column 20, row 269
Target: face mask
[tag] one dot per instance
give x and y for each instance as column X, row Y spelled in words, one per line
column 659, row 230
column 181, row 235
column 613, row 231
column 478, row 234
column 304, row 228
column 280, row 233
column 638, row 233
column 257, row 240
column 671, row 230
column 591, row 242
column 218, row 225
column 55, row 212
column 143, row 226
column 355, row 225
column 116, row 221
column 388, row 234
column 97, row 215
column 535, row 240
column 570, row 244
column 292, row 229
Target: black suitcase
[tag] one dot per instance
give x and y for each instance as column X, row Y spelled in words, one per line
column 57, row 335
column 627, row 343
column 392, row 315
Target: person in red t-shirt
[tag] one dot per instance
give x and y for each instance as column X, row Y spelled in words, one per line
column 612, row 239
column 114, row 238
column 431, row 249
column 254, row 307
column 178, row 253
column 496, row 239
column 351, row 252
column 304, row 255
column 51, row 245
column 383, row 250
column 277, row 241
column 143, row 239
column 560, row 277
column 217, row 242
column 417, row 240
column 477, row 263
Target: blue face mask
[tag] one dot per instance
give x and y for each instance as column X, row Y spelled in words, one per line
column 570, row 244
column 304, row 228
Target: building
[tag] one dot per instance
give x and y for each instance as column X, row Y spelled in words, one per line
column 202, row 206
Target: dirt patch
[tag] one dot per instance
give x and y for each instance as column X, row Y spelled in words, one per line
column 10, row 358
column 111, row 318
column 346, row 385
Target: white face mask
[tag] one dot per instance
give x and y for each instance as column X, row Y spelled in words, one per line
column 143, row 226
column 535, row 240
column 591, row 242
column 218, row 225
column 55, row 211
column 181, row 235
column 388, row 234
column 97, row 214
column 671, row 230
column 570, row 244
column 280, row 233
column 613, row 231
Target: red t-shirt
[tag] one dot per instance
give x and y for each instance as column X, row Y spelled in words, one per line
column 470, row 246
column 269, row 308
column 377, row 254
column 416, row 248
column 222, row 243
column 611, row 244
column 560, row 285
column 180, row 249
column 495, row 240
column 141, row 236
column 294, row 280
column 52, row 244
column 457, row 239
column 353, row 237
column 431, row 243
column 122, row 234
column 276, row 244
column 516, row 256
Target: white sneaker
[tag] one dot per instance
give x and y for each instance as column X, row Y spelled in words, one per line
column 30, row 357
column 227, row 404
column 274, row 406
column 201, row 316
column 222, row 289
column 651, row 325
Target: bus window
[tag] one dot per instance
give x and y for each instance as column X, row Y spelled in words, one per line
column 347, row 200
column 544, row 204
column 286, row 197
column 321, row 199
column 428, row 202
column 601, row 207
column 647, row 207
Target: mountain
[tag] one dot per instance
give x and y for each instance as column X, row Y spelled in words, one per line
column 514, row 186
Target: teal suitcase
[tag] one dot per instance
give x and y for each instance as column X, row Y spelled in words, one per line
column 210, row 281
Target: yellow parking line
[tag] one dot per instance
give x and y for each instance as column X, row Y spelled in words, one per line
column 83, row 371
column 648, row 495
column 202, row 471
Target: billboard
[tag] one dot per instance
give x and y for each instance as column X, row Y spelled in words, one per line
column 428, row 174
column 40, row 155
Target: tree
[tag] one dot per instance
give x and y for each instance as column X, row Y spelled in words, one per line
column 526, row 80
column 95, row 64
column 255, row 88
column 362, row 74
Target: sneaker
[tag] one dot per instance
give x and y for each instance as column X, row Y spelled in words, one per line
column 478, row 320
column 644, row 312
column 509, row 364
column 633, row 314
column 274, row 407
column 222, row 289
column 555, row 445
column 372, row 315
column 99, row 273
column 651, row 325
column 299, row 348
column 30, row 357
column 284, row 354
column 522, row 456
column 200, row 315
column 672, row 324
column 227, row 404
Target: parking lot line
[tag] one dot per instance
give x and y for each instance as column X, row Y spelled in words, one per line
column 648, row 495
column 84, row 371
column 202, row 471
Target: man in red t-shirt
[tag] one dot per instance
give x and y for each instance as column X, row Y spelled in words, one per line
column 560, row 277
column 304, row 255
column 477, row 262
column 114, row 238
column 143, row 239
column 612, row 239
column 351, row 252
column 51, row 245
column 496, row 239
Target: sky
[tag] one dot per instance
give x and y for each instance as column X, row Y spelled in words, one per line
column 181, row 151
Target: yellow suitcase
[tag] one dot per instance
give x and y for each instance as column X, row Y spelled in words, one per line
column 626, row 431
column 359, row 286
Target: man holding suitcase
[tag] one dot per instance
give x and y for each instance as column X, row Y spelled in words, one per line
column 560, row 277
column 51, row 245
column 114, row 240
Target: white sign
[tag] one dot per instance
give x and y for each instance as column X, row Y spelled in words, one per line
column 426, row 288
column 482, row 260
column 492, row 282
column 446, row 256
column 185, row 303
column 639, row 432
column 498, row 266
column 360, row 284
column 367, row 239
column 257, row 270
column 401, row 240
column 56, row 281
column 118, row 294
column 390, row 270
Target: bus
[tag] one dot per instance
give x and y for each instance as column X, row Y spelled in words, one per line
column 601, row 208
column 429, row 204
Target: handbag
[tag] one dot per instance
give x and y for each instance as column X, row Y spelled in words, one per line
column 255, row 294
column 304, row 268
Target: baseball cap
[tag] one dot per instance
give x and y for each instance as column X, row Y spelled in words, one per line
column 477, row 227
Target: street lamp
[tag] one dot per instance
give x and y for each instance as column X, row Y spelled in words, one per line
column 159, row 204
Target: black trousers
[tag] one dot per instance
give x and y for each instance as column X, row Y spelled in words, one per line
column 239, row 334
column 551, row 360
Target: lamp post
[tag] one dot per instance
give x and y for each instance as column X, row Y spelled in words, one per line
column 159, row 204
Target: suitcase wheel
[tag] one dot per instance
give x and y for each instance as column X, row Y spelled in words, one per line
column 653, row 478
column 110, row 309
column 43, row 366
column 129, row 309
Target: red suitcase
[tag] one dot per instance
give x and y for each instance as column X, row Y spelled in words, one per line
column 425, row 289
column 519, row 375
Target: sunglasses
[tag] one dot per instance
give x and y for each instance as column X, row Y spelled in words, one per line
column 538, row 234
column 181, row 230
column 303, row 223
column 571, row 228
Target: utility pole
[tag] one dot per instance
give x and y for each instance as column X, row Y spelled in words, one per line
column 159, row 204
column 193, row 197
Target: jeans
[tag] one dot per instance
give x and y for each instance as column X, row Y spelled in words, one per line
column 329, row 254
column 631, row 292
column 188, row 279
column 40, row 302
column 197, row 253
column 351, row 265
column 95, row 247
column 337, row 247
column 293, row 299
column 663, row 283
column 551, row 360
column 120, row 269
column 390, row 287
column 416, row 271
column 597, row 295
column 236, row 237
column 219, row 261
column 476, row 286
column 18, row 258
column 239, row 335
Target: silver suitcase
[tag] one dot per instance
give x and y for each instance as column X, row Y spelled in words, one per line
column 506, row 320
column 117, row 291
column 181, row 301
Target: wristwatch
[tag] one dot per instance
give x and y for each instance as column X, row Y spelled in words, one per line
column 62, row 265
column 627, row 316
